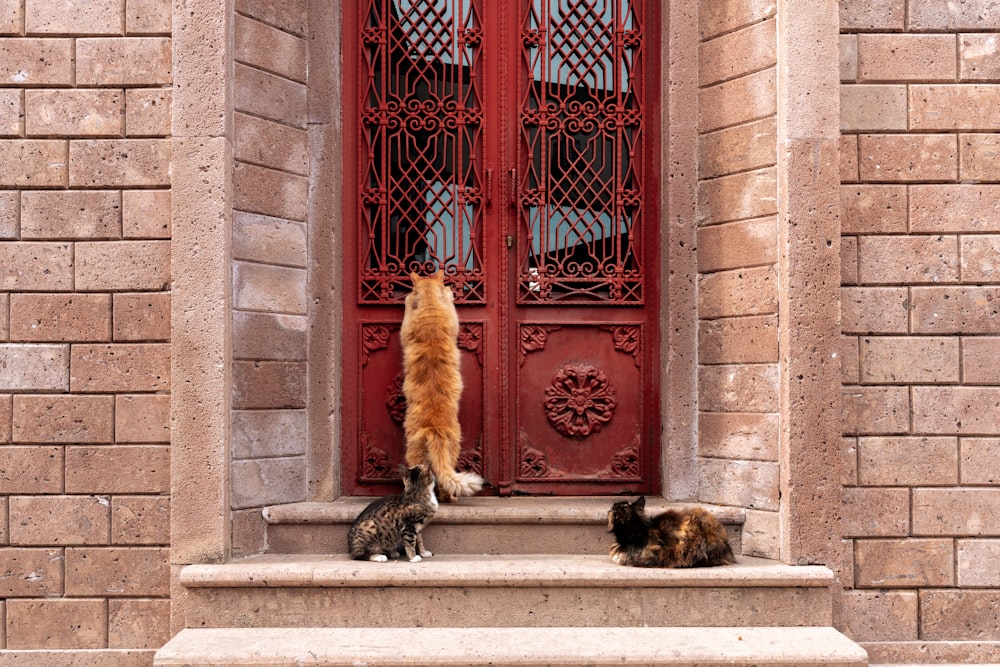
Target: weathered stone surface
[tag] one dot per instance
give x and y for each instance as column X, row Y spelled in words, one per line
column 878, row 615
column 33, row 367
column 956, row 512
column 908, row 461
column 60, row 520
column 876, row 512
column 268, row 481
column 71, row 214
column 56, row 624
column 909, row 360
column 911, row 563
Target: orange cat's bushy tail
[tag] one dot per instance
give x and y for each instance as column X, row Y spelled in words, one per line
column 439, row 451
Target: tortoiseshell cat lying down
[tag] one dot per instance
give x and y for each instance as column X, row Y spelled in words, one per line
column 693, row 538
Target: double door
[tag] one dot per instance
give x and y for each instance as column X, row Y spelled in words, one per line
column 512, row 145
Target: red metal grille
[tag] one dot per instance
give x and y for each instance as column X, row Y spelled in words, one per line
column 581, row 131
column 420, row 147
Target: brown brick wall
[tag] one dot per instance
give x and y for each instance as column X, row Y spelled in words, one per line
column 920, row 127
column 737, row 251
column 84, row 324
column 270, row 202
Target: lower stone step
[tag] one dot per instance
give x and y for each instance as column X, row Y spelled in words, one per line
column 501, row 647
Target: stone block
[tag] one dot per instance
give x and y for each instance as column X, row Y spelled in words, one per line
column 906, row 57
column 142, row 316
column 269, row 192
column 118, row 572
column 123, row 265
column 146, row 214
column 120, row 367
column 33, row 367
column 738, row 340
column 734, row 435
column 874, row 310
column 267, row 48
column 978, row 155
column 955, row 107
column 954, row 208
column 10, row 214
column 97, row 17
column 718, row 17
column 269, row 385
column 849, row 169
column 74, row 113
column 880, row 615
column 909, row 360
column 147, row 17
column 849, row 449
column 268, row 96
column 736, row 245
column 875, row 410
column 960, row 615
column 873, row 209
column 6, row 402
column 59, row 520
column 976, row 563
column 263, row 287
column 908, row 157
column 30, row 572
column 71, row 214
column 749, row 484
column 31, row 469
column 936, row 15
column 36, row 266
column 140, row 520
column 739, row 148
column 848, row 58
column 908, row 259
column 139, row 469
column 249, row 533
column 268, row 481
column 876, row 512
column 119, row 162
column 904, row 563
column 259, row 238
column 952, row 310
column 269, row 144
column 956, row 512
column 738, row 388
column 979, row 355
column 848, row 260
column 138, row 624
column 760, row 536
column 260, row 336
column 56, row 624
column 269, row 433
column 124, row 61
column 979, row 259
column 30, row 61
column 11, row 18
column 737, row 53
column 738, row 101
column 63, row 419
column 752, row 194
column 956, row 410
column 872, row 108
column 147, row 112
column 291, row 16
column 978, row 57
column 979, row 458
column 33, row 162
column 142, row 418
column 908, row 461
column 11, row 111
column 850, row 360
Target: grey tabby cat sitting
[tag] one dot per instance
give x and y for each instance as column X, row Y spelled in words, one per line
column 392, row 524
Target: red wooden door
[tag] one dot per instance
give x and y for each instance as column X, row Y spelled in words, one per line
column 513, row 145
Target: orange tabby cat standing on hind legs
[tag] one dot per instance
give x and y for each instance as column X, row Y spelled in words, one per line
column 432, row 385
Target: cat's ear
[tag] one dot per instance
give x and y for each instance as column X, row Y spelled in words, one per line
column 640, row 502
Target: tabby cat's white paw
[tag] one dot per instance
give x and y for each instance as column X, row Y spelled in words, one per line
column 378, row 558
column 416, row 559
column 426, row 554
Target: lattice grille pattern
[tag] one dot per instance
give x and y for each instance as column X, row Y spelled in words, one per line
column 421, row 147
column 581, row 127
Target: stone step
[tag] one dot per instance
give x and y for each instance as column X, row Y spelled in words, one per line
column 456, row 590
column 503, row 646
column 479, row 525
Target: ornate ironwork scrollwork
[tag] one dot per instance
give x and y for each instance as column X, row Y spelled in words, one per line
column 580, row 400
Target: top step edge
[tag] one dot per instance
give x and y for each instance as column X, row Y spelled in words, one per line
column 490, row 510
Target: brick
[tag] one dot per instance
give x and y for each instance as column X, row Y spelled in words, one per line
column 138, row 624
column 142, row 418
column 848, row 260
column 268, row 481
column 736, row 53
column 81, row 113
column 249, row 533
column 872, row 15
column 59, row 520
column 978, row 157
column 719, row 17
column 738, row 244
column 138, row 469
column 119, row 162
column 31, row 61
column 270, row 192
column 948, row 310
column 955, row 107
column 760, row 534
column 140, row 520
column 876, row 512
column 976, row 560
column 97, row 17
column 848, row 58
column 263, row 94
column 875, row 410
column 147, row 112
column 895, row 57
column 741, row 100
column 873, row 209
column 268, row 288
column 10, row 214
column 146, row 214
column 120, row 367
column 259, row 336
column 11, row 112
column 117, row 572
column 31, row 469
column 734, row 435
column 147, row 17
column 63, row 419
column 4, row 317
column 291, row 16
column 956, row 512
column 6, row 403
column 738, row 340
column 123, row 265
column 750, row 388
column 960, row 410
column 268, row 48
column 747, row 195
column 872, row 108
column 124, row 61
column 978, row 57
column 850, row 360
column 979, row 255
column 954, row 208
column 268, row 433
column 69, row 214
column 738, row 292
column 908, row 157
column 908, row 259
column 259, row 238
column 904, row 564
column 30, row 572
column 908, row 461
column 749, row 484
column 268, row 384
column 56, row 624
column 978, row 463
column 895, row 360
column 269, row 144
column 979, row 357
column 874, row 310
column 757, row 144
column 960, row 615
column 849, row 449
column 936, row 15
column 143, row 316
column 33, row 163
column 33, row 367
column 849, row 169
column 60, row 317
column 871, row 616
column 11, row 18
